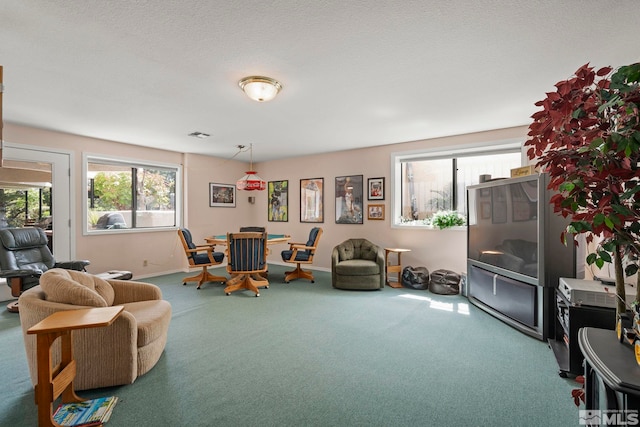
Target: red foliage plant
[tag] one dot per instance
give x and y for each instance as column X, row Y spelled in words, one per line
column 587, row 138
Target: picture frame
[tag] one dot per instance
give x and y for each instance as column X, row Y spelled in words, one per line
column 312, row 200
column 375, row 188
column 375, row 212
column 222, row 195
column 278, row 201
column 349, row 206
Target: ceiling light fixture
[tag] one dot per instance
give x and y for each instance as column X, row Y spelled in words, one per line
column 251, row 181
column 259, row 88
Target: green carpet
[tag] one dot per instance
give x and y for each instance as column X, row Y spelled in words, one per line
column 305, row 354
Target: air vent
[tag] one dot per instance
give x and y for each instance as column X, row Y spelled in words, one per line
column 200, row 135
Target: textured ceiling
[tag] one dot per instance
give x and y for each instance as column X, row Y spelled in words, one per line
column 355, row 73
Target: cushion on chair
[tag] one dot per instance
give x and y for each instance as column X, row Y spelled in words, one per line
column 300, row 255
column 357, row 267
column 368, row 250
column 26, row 238
column 203, row 258
column 59, row 286
column 346, row 250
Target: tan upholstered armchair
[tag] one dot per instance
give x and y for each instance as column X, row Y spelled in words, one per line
column 357, row 264
column 107, row 356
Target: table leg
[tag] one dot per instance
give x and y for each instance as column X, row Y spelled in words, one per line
column 54, row 381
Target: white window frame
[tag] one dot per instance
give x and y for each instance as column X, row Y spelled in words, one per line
column 475, row 149
column 133, row 163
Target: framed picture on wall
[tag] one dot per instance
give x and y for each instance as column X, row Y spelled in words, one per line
column 349, row 207
column 375, row 189
column 375, row 212
column 278, row 203
column 311, row 200
column 222, row 195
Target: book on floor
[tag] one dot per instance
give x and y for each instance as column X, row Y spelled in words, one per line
column 92, row 412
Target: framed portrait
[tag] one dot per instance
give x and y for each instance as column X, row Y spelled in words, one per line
column 349, row 207
column 278, row 202
column 222, row 195
column 311, row 200
column 375, row 189
column 375, row 212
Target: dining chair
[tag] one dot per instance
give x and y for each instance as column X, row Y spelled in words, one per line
column 301, row 253
column 200, row 256
column 246, row 262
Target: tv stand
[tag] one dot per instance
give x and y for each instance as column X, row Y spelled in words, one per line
column 522, row 305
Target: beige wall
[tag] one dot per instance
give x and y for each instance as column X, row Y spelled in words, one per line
column 162, row 249
column 433, row 249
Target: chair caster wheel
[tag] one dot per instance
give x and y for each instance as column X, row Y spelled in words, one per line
column 184, row 284
column 286, row 281
column 266, row 287
column 228, row 293
column 313, row 281
column 257, row 295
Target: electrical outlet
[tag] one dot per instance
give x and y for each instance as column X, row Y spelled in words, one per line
column 145, row 263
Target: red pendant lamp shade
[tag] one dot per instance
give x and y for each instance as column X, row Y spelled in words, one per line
column 251, row 181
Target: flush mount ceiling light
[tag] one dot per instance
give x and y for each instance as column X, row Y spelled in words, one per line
column 251, row 181
column 259, row 88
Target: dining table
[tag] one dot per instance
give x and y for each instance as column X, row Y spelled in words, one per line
column 272, row 239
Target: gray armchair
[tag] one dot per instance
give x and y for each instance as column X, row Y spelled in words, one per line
column 357, row 264
column 24, row 256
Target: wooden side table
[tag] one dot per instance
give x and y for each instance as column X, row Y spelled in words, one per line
column 54, row 381
column 394, row 268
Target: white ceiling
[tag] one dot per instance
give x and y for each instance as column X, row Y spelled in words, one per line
column 355, row 73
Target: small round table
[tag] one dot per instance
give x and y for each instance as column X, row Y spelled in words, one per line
column 394, row 268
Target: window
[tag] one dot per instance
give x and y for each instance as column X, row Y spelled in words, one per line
column 129, row 196
column 424, row 183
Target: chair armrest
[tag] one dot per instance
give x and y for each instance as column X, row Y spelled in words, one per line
column 72, row 265
column 131, row 291
column 205, row 247
column 9, row 274
column 301, row 246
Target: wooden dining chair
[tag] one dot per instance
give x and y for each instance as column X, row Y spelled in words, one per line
column 200, row 256
column 246, row 262
column 301, row 253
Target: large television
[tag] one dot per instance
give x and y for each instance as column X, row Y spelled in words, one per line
column 515, row 256
column 513, row 230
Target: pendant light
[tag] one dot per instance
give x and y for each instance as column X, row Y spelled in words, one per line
column 251, row 181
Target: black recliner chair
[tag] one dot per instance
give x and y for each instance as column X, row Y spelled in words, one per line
column 24, row 256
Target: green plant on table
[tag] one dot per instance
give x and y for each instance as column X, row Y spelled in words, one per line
column 446, row 219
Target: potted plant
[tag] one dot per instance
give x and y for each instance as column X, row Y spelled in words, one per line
column 446, row 219
column 587, row 138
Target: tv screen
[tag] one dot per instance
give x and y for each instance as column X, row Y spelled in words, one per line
column 503, row 226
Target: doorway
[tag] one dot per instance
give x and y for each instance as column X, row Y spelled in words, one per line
column 60, row 184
